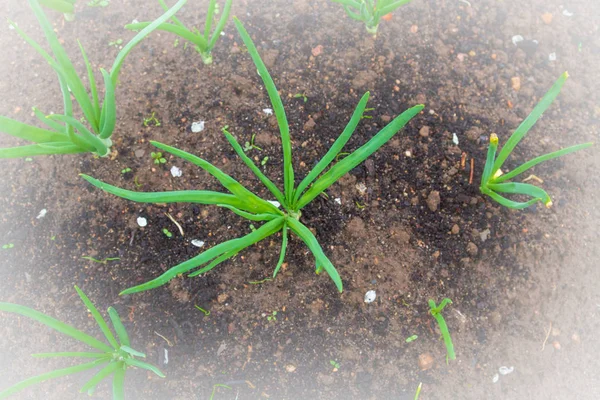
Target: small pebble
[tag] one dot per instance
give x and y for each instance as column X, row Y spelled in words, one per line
column 42, row 214
column 141, row 221
column 197, row 242
column 268, row 111
column 506, row 370
column 290, row 368
column 425, row 361
column 370, row 296
column 176, row 172
column 197, row 126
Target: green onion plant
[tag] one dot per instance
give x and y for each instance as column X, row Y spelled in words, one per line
column 64, row 133
column 66, row 7
column 370, row 11
column 248, row 205
column 203, row 42
column 494, row 181
column 436, row 312
column 114, row 357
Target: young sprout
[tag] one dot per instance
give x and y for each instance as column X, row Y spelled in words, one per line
column 158, row 158
column 272, row 317
column 64, row 133
column 436, row 312
column 370, row 11
column 283, row 217
column 115, row 357
column 249, row 145
column 493, row 180
column 152, row 120
column 335, row 365
column 167, row 233
column 203, row 42
column 125, row 170
column 98, row 3
column 301, row 95
column 116, row 43
column 8, row 246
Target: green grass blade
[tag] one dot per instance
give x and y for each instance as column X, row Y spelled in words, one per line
column 223, row 257
column 358, row 156
column 263, row 178
column 92, row 79
column 321, row 259
column 118, row 63
column 67, row 104
column 389, row 8
column 99, row 319
column 436, row 312
column 53, row 125
column 209, row 20
column 250, row 216
column 29, row 132
column 119, row 327
column 183, row 196
column 335, row 148
column 532, row 163
column 350, row 3
column 86, row 136
column 522, row 188
column 119, row 382
column 352, row 14
column 140, row 364
column 48, row 375
column 284, row 129
column 39, row 150
column 526, row 125
column 62, row 6
column 177, row 30
column 108, row 115
column 221, row 25
column 96, row 379
column 267, row 229
column 36, row 46
column 284, row 242
column 509, row 203
column 489, row 161
column 173, row 18
column 56, row 325
column 133, row 352
column 70, row 354
column 227, row 181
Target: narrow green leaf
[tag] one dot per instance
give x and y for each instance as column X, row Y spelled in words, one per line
column 173, row 18
column 133, row 352
column 227, row 181
column 522, row 188
column 119, row 382
column 62, row 6
column 114, row 72
column 99, row 319
column 48, row 375
column 70, row 354
column 526, row 125
column 532, row 163
column 108, row 116
column 358, row 156
column 39, row 150
column 263, row 178
column 28, row 132
column 92, row 79
column 266, row 230
column 284, row 129
column 509, row 203
column 177, row 30
column 221, row 25
column 140, row 364
column 436, row 312
column 96, row 379
column 209, row 20
column 388, row 9
column 251, row 217
column 86, row 136
column 321, row 259
column 223, row 257
column 335, row 148
column 56, row 325
column 53, row 125
column 489, row 161
column 284, row 242
column 119, row 327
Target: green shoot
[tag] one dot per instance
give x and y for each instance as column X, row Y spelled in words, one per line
column 301, row 95
column 206, row 313
column 105, row 261
column 115, row 357
column 260, row 282
column 367, row 116
column 370, row 11
column 125, row 170
column 411, row 338
column 8, row 246
column 66, row 7
column 436, row 312
column 249, row 145
column 63, row 133
column 157, row 158
column 335, row 365
column 152, row 120
column 167, row 233
column 493, row 180
column 203, row 42
column 272, row 317
column 418, row 392
column 264, row 161
column 284, row 217
column 116, row 43
column 98, row 3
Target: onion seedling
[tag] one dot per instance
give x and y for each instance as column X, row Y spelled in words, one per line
column 370, row 11
column 436, row 312
column 115, row 357
column 203, row 43
column 248, row 205
column 493, row 180
column 65, row 134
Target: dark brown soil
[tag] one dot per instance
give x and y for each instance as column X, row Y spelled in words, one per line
column 513, row 276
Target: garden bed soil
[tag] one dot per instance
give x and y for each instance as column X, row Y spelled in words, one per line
column 410, row 222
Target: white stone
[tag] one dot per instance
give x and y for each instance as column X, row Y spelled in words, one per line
column 42, row 214
column 142, row 221
column 516, row 39
column 370, row 296
column 506, row 370
column 337, row 200
column 197, row 242
column 198, row 126
column 552, row 57
column 455, row 139
column 176, row 172
column 268, row 111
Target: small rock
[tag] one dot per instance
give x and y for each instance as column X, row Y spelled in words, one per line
column 268, row 111
column 309, row 125
column 290, row 368
column 473, row 133
column 222, row 298
column 506, row 370
column 140, row 153
column 454, row 139
column 362, row 188
column 197, row 126
column 455, row 229
column 516, row 83
column 42, row 214
column 141, row 221
column 424, row 131
column 370, row 296
column 433, row 200
column 425, row 361
column 386, row 118
column 547, row 18
column 556, row 345
column 317, row 50
column 484, row 235
column 197, row 242
column 176, row 172
column 414, row 29
column 472, row 249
